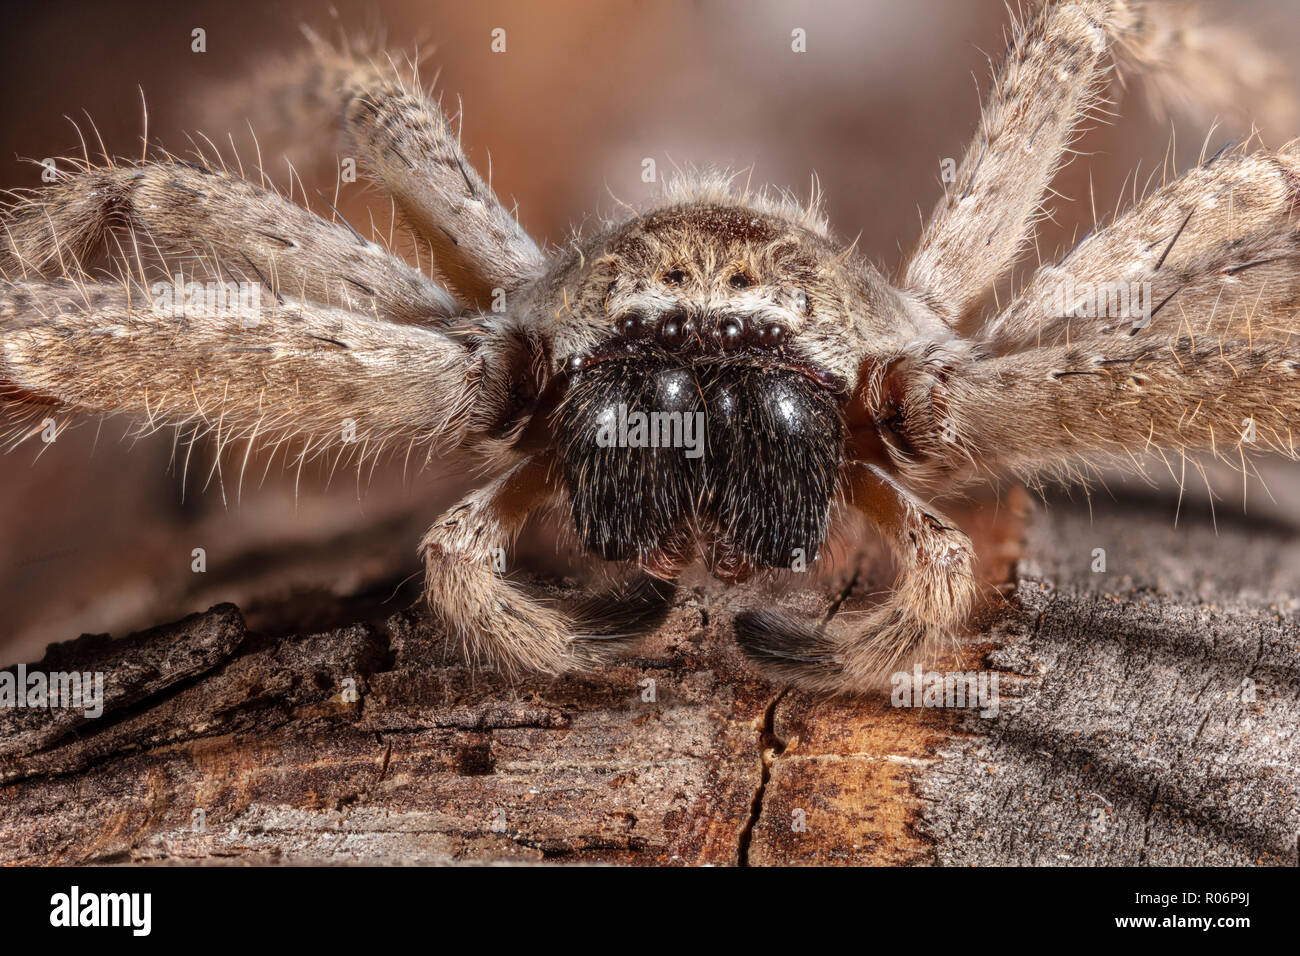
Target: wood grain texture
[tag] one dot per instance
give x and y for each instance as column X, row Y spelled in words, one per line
column 1121, row 737
column 1159, row 706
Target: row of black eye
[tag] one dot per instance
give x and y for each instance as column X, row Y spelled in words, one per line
column 738, row 281
column 677, row 329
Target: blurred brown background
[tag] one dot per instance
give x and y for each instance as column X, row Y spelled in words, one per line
column 96, row 536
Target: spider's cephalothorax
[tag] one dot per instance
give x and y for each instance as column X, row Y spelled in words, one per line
column 712, row 376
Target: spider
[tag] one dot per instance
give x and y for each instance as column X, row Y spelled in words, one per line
column 823, row 386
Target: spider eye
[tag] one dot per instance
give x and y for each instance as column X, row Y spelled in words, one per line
column 675, row 329
column 632, row 325
column 771, row 335
column 740, row 281
column 675, row 277
column 731, row 333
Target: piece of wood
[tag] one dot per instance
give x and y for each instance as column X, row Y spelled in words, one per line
column 1121, row 735
column 1159, row 716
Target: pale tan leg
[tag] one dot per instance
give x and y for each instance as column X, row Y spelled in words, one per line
column 228, row 226
column 494, row 622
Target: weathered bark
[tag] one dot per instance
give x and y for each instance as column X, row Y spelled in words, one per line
column 1126, row 741
column 1160, row 716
